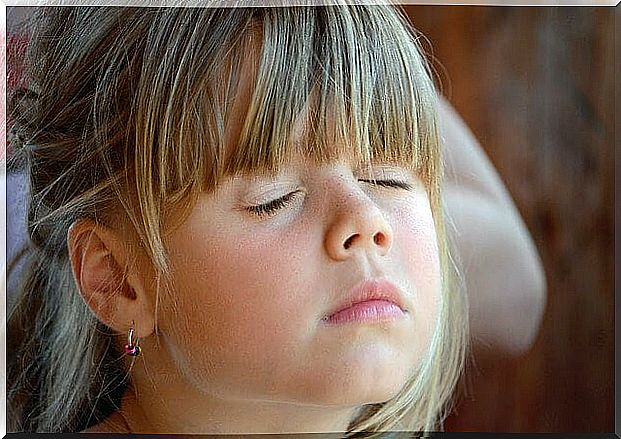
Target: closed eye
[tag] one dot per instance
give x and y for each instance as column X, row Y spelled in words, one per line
column 389, row 183
column 270, row 208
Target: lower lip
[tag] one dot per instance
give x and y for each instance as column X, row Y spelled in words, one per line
column 364, row 312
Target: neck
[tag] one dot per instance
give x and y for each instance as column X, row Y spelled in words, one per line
column 144, row 414
column 161, row 402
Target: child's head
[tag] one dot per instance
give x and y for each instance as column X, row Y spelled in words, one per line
column 225, row 179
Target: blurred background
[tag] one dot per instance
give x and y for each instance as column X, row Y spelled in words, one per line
column 537, row 88
column 536, row 85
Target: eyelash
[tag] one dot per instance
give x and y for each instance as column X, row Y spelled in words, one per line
column 390, row 183
column 271, row 207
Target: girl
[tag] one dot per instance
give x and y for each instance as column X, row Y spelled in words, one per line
column 236, row 225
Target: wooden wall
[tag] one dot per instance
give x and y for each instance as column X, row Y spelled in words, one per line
column 536, row 86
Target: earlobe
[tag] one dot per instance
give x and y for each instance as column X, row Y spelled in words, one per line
column 106, row 280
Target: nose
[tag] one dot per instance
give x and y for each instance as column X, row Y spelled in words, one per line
column 358, row 225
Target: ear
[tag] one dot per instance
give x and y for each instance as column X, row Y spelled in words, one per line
column 110, row 280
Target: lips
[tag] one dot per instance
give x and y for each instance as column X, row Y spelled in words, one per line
column 370, row 301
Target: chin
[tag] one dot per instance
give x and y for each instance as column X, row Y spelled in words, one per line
column 358, row 397
column 379, row 393
column 352, row 388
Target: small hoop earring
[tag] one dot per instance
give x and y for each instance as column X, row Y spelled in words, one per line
column 132, row 348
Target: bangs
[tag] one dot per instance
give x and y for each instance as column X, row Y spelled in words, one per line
column 337, row 83
column 327, row 83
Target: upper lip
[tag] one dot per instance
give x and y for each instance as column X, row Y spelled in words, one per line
column 371, row 289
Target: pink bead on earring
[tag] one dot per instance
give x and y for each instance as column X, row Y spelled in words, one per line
column 132, row 348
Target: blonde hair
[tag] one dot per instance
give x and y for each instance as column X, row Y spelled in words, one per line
column 125, row 113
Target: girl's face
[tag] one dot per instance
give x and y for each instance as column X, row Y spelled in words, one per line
column 263, row 265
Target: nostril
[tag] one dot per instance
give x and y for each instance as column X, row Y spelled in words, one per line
column 379, row 239
column 349, row 242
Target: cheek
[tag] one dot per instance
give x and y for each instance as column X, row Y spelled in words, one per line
column 416, row 246
column 240, row 298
